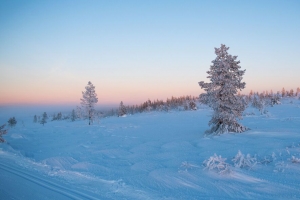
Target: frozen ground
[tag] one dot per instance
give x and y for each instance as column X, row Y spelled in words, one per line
column 151, row 156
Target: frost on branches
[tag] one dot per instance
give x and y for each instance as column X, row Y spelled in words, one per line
column 122, row 110
column 89, row 99
column 221, row 93
column 44, row 118
column 242, row 161
column 295, row 160
column 218, row 164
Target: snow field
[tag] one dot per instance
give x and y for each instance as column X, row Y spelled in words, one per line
column 157, row 155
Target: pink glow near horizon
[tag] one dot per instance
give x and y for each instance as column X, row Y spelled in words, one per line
column 134, row 51
column 128, row 96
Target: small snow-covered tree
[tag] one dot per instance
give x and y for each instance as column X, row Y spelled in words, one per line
column 12, row 121
column 192, row 105
column 163, row 107
column 35, row 119
column 251, row 93
column 283, row 92
column 88, row 101
column 73, row 115
column 186, row 106
column 148, row 106
column 291, row 93
column 295, row 159
column 287, row 93
column 260, row 103
column 53, row 117
column 122, row 110
column 2, row 132
column 275, row 99
column 79, row 113
column 221, row 93
column 217, row 163
column 44, row 118
column 242, row 161
column 59, row 116
column 297, row 92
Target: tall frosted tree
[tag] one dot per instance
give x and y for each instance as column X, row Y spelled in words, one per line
column 88, row 101
column 221, row 93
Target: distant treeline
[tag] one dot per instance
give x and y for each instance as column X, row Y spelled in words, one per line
column 179, row 103
column 173, row 103
column 282, row 93
column 254, row 99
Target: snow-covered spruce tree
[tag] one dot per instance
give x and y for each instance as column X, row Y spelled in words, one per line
column 260, row 103
column 122, row 110
column 88, row 101
column 298, row 92
column 79, row 113
column 186, row 106
column 44, row 118
column 221, row 93
column 59, row 116
column 53, row 117
column 2, row 132
column 73, row 116
column 291, row 93
column 283, row 93
column 35, row 119
column 12, row 121
column 148, row 107
column 275, row 99
column 192, row 105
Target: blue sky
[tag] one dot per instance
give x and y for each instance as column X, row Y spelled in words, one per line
column 135, row 50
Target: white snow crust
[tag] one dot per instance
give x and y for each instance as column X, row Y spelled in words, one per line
column 153, row 155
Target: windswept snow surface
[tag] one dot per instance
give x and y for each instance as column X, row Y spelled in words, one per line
column 152, row 155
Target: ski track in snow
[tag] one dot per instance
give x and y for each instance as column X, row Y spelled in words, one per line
column 72, row 194
column 80, row 182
